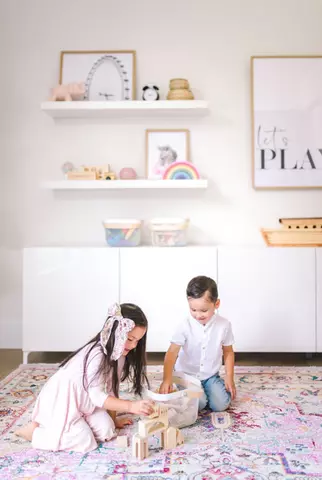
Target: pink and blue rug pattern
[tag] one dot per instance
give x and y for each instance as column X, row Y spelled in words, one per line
column 276, row 434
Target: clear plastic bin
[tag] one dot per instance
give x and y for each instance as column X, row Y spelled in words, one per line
column 122, row 232
column 183, row 403
column 169, row 232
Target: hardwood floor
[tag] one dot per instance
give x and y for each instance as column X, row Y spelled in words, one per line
column 11, row 359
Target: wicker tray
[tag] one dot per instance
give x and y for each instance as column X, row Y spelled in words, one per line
column 283, row 237
column 301, row 223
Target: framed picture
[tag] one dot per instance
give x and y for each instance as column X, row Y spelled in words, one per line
column 164, row 147
column 286, row 99
column 108, row 75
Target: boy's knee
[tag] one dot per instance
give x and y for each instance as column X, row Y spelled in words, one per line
column 220, row 403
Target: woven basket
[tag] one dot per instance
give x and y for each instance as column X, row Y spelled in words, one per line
column 180, row 94
column 292, row 238
column 179, row 83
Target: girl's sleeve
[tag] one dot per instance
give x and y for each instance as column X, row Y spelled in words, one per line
column 96, row 386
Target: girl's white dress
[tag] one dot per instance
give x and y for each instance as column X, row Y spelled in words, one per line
column 69, row 417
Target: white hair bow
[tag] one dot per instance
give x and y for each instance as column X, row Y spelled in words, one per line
column 125, row 325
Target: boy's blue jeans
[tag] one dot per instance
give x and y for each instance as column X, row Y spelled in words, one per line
column 215, row 394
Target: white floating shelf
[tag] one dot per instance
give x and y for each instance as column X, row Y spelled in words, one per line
column 124, row 184
column 133, row 108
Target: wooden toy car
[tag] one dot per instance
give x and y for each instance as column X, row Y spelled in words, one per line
column 101, row 173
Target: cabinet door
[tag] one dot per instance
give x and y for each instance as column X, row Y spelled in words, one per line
column 156, row 280
column 319, row 298
column 269, row 296
column 66, row 294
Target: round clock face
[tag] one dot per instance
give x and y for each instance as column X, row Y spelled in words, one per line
column 150, row 94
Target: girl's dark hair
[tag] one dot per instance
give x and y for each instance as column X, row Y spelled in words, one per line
column 198, row 286
column 135, row 360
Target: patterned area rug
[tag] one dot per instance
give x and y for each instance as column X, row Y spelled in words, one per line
column 276, row 434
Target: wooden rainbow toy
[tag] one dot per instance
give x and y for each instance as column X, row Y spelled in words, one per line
column 181, row 171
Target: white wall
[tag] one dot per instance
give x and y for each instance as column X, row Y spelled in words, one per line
column 210, row 43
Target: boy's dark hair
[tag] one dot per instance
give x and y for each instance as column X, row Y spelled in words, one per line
column 135, row 360
column 198, row 286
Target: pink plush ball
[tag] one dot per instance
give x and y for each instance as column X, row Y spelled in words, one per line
column 128, row 173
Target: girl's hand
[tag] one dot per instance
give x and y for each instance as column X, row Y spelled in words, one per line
column 165, row 387
column 230, row 387
column 121, row 422
column 142, row 407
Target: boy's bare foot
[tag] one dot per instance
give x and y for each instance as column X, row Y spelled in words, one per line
column 27, row 431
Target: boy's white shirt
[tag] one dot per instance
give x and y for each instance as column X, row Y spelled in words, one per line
column 201, row 346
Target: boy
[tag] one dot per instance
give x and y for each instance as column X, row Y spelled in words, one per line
column 198, row 345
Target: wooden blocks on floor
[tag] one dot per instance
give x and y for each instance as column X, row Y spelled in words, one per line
column 157, row 422
column 140, row 447
column 122, row 441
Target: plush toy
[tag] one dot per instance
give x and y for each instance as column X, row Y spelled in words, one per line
column 68, row 92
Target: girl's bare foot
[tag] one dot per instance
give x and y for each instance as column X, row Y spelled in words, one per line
column 27, row 431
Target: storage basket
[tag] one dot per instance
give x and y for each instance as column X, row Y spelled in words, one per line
column 169, row 232
column 182, row 404
column 122, row 232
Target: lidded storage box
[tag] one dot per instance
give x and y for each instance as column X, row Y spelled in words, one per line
column 122, row 232
column 169, row 232
column 182, row 404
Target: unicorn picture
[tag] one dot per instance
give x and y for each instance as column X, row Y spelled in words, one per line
column 164, row 148
column 167, row 156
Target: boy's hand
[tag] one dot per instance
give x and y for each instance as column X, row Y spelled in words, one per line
column 230, row 386
column 166, row 387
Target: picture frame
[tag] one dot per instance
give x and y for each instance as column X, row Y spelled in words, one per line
column 109, row 75
column 164, row 147
column 286, row 109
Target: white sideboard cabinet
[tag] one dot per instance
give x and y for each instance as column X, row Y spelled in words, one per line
column 156, row 279
column 272, row 296
column 319, row 299
column 66, row 292
column 269, row 294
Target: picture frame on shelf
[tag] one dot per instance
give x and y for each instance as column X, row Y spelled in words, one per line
column 109, row 75
column 286, row 122
column 164, row 147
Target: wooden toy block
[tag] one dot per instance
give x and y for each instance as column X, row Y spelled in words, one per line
column 157, row 422
column 122, row 441
column 76, row 175
column 171, row 438
column 140, row 447
column 150, row 426
column 180, row 437
column 89, row 172
column 155, row 413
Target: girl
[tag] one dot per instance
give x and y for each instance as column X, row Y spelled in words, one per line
column 77, row 406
